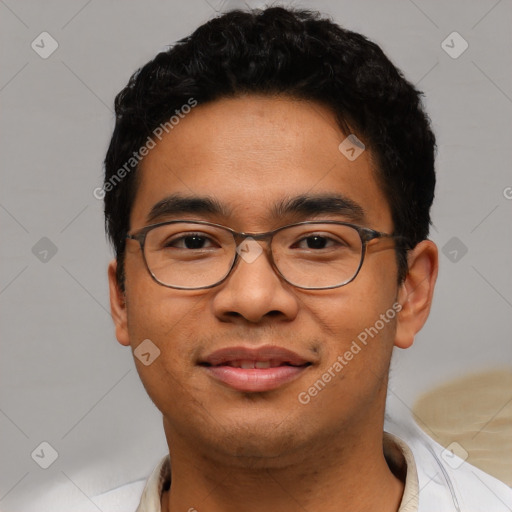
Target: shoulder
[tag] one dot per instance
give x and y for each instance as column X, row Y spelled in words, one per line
column 141, row 495
column 446, row 480
column 121, row 499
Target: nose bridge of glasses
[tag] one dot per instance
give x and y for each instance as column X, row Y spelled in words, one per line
column 250, row 246
column 260, row 242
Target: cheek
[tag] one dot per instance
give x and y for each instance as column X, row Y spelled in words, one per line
column 359, row 322
column 368, row 321
column 154, row 311
column 169, row 320
column 171, row 325
column 357, row 346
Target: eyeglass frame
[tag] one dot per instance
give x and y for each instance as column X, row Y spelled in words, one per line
column 365, row 234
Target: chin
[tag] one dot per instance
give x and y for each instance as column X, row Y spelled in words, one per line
column 258, row 444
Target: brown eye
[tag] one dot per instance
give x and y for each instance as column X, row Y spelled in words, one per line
column 189, row 241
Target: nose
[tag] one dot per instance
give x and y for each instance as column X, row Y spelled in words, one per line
column 254, row 291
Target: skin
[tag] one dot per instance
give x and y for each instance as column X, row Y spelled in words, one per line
column 267, row 451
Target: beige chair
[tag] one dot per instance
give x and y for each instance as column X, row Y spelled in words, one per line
column 473, row 415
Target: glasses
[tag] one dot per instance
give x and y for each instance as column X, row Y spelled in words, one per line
column 312, row 255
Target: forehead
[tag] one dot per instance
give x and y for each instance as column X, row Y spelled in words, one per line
column 251, row 153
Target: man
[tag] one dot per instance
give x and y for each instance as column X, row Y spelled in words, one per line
column 267, row 192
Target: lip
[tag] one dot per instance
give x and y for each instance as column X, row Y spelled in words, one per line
column 224, row 365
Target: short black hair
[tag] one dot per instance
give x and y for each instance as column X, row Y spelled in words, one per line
column 294, row 52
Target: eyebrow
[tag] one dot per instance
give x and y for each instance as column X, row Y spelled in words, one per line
column 300, row 207
column 313, row 205
column 183, row 205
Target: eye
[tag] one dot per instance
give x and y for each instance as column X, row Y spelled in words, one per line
column 189, row 241
column 317, row 241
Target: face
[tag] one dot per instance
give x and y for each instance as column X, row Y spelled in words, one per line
column 250, row 154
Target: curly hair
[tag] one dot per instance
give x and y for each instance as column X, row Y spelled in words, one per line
column 283, row 51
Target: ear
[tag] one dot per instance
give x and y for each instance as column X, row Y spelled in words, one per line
column 118, row 306
column 416, row 292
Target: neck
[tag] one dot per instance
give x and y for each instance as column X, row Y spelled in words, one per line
column 347, row 472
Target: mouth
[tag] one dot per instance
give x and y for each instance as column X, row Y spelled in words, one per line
column 254, row 370
column 248, row 364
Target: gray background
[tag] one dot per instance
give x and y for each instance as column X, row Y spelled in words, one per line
column 64, row 378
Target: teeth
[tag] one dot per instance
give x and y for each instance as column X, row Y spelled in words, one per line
column 262, row 364
column 248, row 364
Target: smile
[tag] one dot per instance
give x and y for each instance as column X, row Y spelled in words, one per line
column 254, row 370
